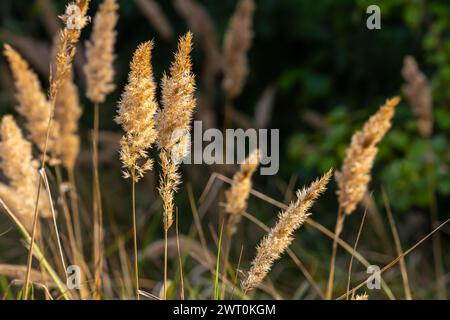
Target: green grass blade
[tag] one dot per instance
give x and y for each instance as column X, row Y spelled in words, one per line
column 216, row 281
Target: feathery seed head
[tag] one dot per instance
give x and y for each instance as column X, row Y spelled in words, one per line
column 173, row 123
column 363, row 296
column 137, row 109
column 237, row 195
column 19, row 167
column 237, row 42
column 280, row 236
column 354, row 177
column 178, row 100
column 418, row 94
column 33, row 104
column 75, row 19
column 99, row 68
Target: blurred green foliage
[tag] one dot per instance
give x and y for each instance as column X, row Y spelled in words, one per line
column 407, row 165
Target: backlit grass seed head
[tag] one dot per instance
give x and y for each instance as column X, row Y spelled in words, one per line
column 74, row 20
column 237, row 196
column 32, row 102
column 363, row 296
column 173, row 123
column 137, row 109
column 355, row 175
column 281, row 235
column 237, row 42
column 99, row 68
column 169, row 181
column 178, row 100
column 19, row 167
column 418, row 94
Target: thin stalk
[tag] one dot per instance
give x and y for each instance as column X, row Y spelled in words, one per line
column 67, row 217
column 179, row 258
column 226, row 255
column 77, row 255
column 354, row 248
column 97, row 206
column 36, row 206
column 398, row 247
column 436, row 239
column 337, row 232
column 396, row 260
column 165, row 262
column 136, row 268
column 55, row 225
column 216, row 280
column 75, row 209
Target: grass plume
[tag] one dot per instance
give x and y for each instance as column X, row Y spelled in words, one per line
column 355, row 175
column 173, row 122
column 237, row 195
column 100, row 56
column 237, row 42
column 281, row 235
column 32, row 102
column 18, row 165
column 417, row 92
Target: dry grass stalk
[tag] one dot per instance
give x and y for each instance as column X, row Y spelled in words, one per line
column 418, row 94
column 137, row 109
column 354, row 177
column 100, row 56
column 33, row 104
column 18, row 166
column 173, row 122
column 237, row 196
column 237, row 42
column 281, row 235
column 154, row 14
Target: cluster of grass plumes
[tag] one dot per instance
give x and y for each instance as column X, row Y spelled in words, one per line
column 281, row 235
column 158, row 126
